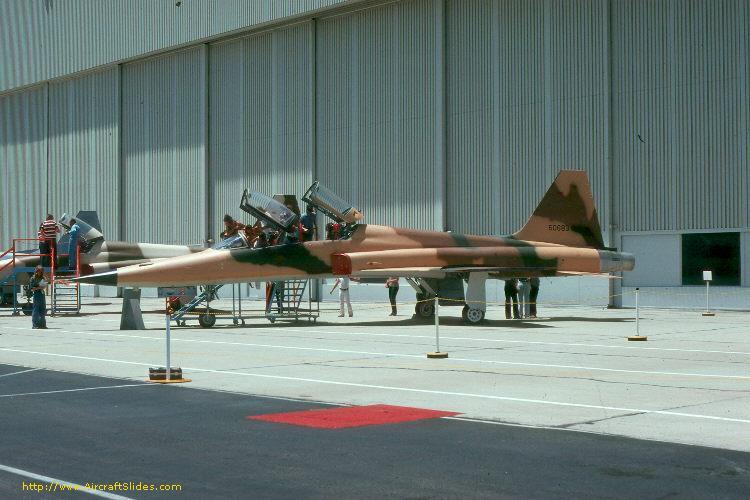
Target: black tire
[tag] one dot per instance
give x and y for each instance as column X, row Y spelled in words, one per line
column 207, row 320
column 473, row 316
column 463, row 313
column 425, row 309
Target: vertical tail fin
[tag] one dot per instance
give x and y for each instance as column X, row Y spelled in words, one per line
column 566, row 215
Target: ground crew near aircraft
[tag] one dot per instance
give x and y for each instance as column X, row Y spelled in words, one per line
column 309, row 226
column 534, row 282
column 392, row 285
column 523, row 297
column 231, row 227
column 343, row 295
column 511, row 294
column 37, row 284
column 48, row 230
column 73, row 234
column 261, row 241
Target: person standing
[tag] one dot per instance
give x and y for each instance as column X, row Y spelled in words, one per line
column 523, row 297
column 48, row 239
column 511, row 294
column 37, row 284
column 73, row 233
column 309, row 226
column 534, row 282
column 343, row 295
column 392, row 285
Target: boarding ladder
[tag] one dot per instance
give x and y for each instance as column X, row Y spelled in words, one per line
column 66, row 294
column 207, row 295
column 287, row 302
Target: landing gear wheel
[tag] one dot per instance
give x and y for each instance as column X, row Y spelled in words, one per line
column 472, row 316
column 425, row 309
column 207, row 320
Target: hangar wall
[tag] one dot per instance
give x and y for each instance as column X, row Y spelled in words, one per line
column 428, row 113
column 48, row 40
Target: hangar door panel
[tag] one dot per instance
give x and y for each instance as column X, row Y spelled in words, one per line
column 84, row 148
column 377, row 111
column 23, row 164
column 163, row 124
column 657, row 260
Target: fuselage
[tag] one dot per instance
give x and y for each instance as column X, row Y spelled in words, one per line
column 370, row 247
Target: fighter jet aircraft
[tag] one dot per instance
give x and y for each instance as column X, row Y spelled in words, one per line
column 96, row 254
column 561, row 238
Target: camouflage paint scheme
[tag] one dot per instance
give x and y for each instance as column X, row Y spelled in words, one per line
column 562, row 237
column 105, row 256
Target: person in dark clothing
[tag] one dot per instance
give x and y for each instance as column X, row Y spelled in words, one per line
column 48, row 230
column 511, row 294
column 37, row 284
column 533, row 295
column 308, row 225
column 74, row 234
column 392, row 285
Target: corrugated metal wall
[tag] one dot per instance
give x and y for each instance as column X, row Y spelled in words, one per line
column 376, row 107
column 45, row 39
column 23, row 164
column 527, row 96
column 163, row 148
column 84, row 147
column 261, row 116
column 389, row 103
column 681, row 114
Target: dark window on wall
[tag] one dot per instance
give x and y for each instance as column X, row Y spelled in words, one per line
column 715, row 252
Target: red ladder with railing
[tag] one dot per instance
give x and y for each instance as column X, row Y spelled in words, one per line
column 66, row 294
column 16, row 268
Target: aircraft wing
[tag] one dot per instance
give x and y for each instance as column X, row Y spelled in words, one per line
column 500, row 262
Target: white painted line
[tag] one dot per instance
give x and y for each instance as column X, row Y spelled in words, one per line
column 421, row 356
column 18, row 373
column 528, row 342
column 54, row 484
column 411, row 389
column 472, row 395
column 73, row 390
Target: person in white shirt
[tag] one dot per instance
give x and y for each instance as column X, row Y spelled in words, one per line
column 343, row 284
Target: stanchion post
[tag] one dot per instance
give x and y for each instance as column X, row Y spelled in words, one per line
column 437, row 325
column 169, row 361
column 707, row 277
column 637, row 335
column 637, row 314
column 437, row 353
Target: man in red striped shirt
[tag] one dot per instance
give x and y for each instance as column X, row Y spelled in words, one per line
column 48, row 238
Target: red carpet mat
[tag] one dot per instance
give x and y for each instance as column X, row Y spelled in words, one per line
column 354, row 416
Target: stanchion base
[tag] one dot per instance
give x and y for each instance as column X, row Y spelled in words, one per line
column 437, row 355
column 707, row 313
column 170, row 381
column 637, row 337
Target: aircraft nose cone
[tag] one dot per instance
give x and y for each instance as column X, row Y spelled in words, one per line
column 107, row 279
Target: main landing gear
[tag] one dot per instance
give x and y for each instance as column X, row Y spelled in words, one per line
column 452, row 289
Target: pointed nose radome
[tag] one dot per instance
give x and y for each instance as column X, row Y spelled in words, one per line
column 106, row 279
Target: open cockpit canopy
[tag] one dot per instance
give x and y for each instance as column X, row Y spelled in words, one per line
column 268, row 210
column 330, row 204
